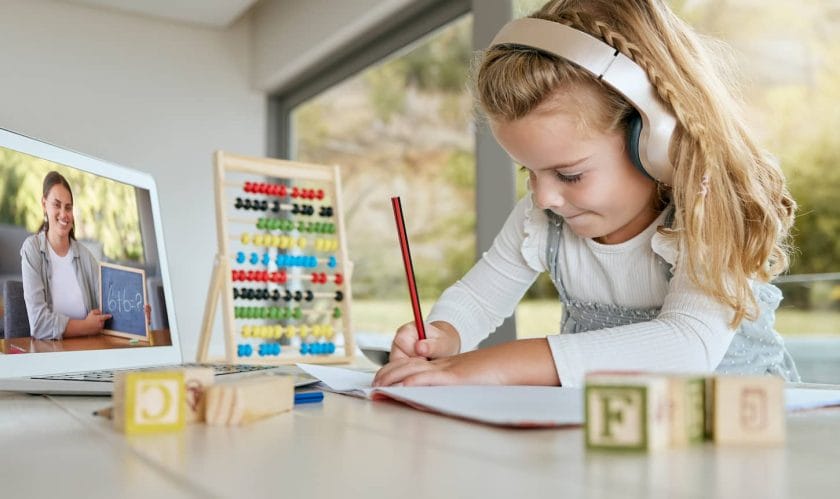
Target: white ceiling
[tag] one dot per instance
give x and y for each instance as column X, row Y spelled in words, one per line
column 210, row 13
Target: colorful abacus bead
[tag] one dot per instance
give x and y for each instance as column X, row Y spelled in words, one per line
column 244, row 350
column 269, row 349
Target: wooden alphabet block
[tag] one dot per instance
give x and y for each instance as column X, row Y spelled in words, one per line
column 686, row 402
column 747, row 410
column 149, row 401
column 197, row 380
column 249, row 399
column 626, row 411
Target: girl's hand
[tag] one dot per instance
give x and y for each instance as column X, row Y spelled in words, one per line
column 522, row 362
column 442, row 340
column 464, row 369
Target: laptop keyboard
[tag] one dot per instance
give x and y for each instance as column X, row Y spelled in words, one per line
column 108, row 375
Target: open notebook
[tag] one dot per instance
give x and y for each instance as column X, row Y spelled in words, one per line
column 521, row 406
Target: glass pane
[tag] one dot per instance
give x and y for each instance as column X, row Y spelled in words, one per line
column 783, row 50
column 401, row 128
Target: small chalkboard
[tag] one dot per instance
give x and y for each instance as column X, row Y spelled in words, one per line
column 122, row 293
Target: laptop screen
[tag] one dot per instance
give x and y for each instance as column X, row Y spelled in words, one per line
column 82, row 272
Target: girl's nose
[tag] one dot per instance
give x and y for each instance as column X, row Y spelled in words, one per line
column 546, row 196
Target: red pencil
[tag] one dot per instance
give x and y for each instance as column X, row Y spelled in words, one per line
column 409, row 267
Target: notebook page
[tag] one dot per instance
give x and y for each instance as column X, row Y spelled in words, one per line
column 526, row 406
column 800, row 399
column 346, row 381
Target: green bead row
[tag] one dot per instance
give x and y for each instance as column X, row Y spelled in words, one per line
column 279, row 313
column 301, row 226
column 267, row 313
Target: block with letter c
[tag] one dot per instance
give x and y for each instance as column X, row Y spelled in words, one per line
column 149, row 402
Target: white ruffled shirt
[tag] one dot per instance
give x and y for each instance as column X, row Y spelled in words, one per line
column 690, row 334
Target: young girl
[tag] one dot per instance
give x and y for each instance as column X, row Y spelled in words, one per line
column 661, row 242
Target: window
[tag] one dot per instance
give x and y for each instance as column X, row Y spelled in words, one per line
column 402, row 127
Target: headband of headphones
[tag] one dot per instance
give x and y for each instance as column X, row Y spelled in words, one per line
column 612, row 67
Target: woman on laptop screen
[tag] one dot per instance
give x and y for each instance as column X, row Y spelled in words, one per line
column 60, row 275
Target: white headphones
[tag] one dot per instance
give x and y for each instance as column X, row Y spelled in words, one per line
column 650, row 133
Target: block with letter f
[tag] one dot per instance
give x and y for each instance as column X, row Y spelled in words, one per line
column 626, row 411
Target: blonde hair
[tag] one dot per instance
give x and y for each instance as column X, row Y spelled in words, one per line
column 733, row 211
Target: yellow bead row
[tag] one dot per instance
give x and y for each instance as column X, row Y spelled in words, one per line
column 326, row 244
column 287, row 242
column 277, row 331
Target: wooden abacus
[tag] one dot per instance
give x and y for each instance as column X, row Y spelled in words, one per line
column 281, row 304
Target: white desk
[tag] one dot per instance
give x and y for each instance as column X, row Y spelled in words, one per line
column 346, row 447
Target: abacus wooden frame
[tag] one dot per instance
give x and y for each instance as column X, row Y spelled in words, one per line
column 221, row 281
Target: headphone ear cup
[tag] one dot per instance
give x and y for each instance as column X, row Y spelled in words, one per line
column 634, row 132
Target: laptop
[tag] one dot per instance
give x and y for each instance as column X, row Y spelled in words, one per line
column 125, row 230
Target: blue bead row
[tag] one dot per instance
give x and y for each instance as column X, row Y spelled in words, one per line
column 317, row 348
column 283, row 260
column 265, row 349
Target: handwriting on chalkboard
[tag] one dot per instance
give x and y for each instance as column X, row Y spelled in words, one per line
column 120, row 300
column 123, row 296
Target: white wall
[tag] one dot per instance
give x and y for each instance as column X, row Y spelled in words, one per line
column 152, row 95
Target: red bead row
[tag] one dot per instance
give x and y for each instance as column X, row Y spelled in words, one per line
column 280, row 277
column 282, row 191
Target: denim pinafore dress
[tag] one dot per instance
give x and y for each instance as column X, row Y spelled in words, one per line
column 756, row 347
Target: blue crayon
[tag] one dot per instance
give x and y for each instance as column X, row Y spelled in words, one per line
column 308, row 397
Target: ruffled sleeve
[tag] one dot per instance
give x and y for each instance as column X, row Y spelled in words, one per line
column 666, row 247
column 478, row 303
column 534, row 227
